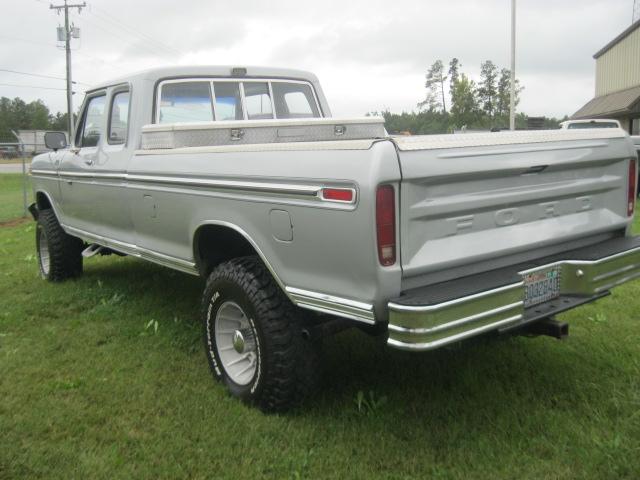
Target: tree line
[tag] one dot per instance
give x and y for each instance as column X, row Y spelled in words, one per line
column 17, row 114
column 455, row 101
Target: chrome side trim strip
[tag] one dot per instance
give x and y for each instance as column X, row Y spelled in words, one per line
column 452, row 339
column 44, row 173
column 277, row 188
column 342, row 307
column 78, row 174
column 439, row 306
column 263, row 187
column 455, row 323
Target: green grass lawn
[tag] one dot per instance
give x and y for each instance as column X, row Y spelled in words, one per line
column 90, row 389
column 11, row 206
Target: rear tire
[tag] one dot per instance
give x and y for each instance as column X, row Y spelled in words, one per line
column 254, row 337
column 59, row 254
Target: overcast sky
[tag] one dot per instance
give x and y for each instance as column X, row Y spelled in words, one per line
column 369, row 54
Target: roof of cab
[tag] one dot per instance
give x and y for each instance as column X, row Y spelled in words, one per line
column 160, row 73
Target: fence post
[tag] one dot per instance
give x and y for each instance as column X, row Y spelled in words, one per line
column 24, row 175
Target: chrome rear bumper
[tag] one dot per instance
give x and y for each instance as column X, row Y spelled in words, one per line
column 429, row 326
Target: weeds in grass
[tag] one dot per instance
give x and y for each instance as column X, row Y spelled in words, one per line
column 599, row 317
column 369, row 405
column 152, row 325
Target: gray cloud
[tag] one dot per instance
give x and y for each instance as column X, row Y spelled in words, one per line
column 369, row 54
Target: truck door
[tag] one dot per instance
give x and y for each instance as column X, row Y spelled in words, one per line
column 93, row 172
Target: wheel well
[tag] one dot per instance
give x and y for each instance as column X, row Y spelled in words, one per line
column 214, row 244
column 42, row 201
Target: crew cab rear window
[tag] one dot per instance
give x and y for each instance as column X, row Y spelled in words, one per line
column 223, row 100
column 185, row 102
column 257, row 100
column 119, row 118
column 294, row 100
column 228, row 101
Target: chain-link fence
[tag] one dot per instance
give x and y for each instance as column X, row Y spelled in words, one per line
column 15, row 157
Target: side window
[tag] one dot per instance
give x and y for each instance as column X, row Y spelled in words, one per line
column 118, row 118
column 92, row 122
column 185, row 102
column 228, row 101
column 294, row 100
column 257, row 100
column 635, row 126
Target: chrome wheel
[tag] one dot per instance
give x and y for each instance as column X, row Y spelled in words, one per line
column 236, row 343
column 43, row 253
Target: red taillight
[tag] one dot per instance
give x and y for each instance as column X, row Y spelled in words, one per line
column 631, row 198
column 339, row 194
column 386, row 224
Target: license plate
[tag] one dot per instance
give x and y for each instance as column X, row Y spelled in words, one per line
column 541, row 286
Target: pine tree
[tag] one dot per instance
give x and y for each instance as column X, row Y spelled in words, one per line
column 503, row 103
column 434, row 84
column 487, row 89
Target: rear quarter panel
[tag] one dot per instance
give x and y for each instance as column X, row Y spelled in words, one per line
column 333, row 250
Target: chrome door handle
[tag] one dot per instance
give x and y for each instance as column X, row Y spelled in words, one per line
column 88, row 161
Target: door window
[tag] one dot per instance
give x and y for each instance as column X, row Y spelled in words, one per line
column 257, row 100
column 185, row 102
column 294, row 100
column 93, row 122
column 119, row 118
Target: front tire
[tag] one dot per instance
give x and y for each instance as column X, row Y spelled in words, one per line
column 254, row 338
column 59, row 254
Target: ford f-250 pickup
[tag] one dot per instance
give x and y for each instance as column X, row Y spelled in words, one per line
column 303, row 224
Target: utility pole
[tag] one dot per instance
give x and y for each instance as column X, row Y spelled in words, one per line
column 68, row 33
column 512, row 96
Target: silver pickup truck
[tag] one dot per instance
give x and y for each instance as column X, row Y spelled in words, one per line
column 303, row 224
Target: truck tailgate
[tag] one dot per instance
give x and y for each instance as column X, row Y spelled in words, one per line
column 476, row 198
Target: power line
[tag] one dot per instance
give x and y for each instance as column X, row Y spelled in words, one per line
column 69, row 32
column 107, row 26
column 39, row 75
column 132, row 30
column 30, row 86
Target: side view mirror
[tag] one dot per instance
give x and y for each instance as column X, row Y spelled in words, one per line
column 55, row 140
